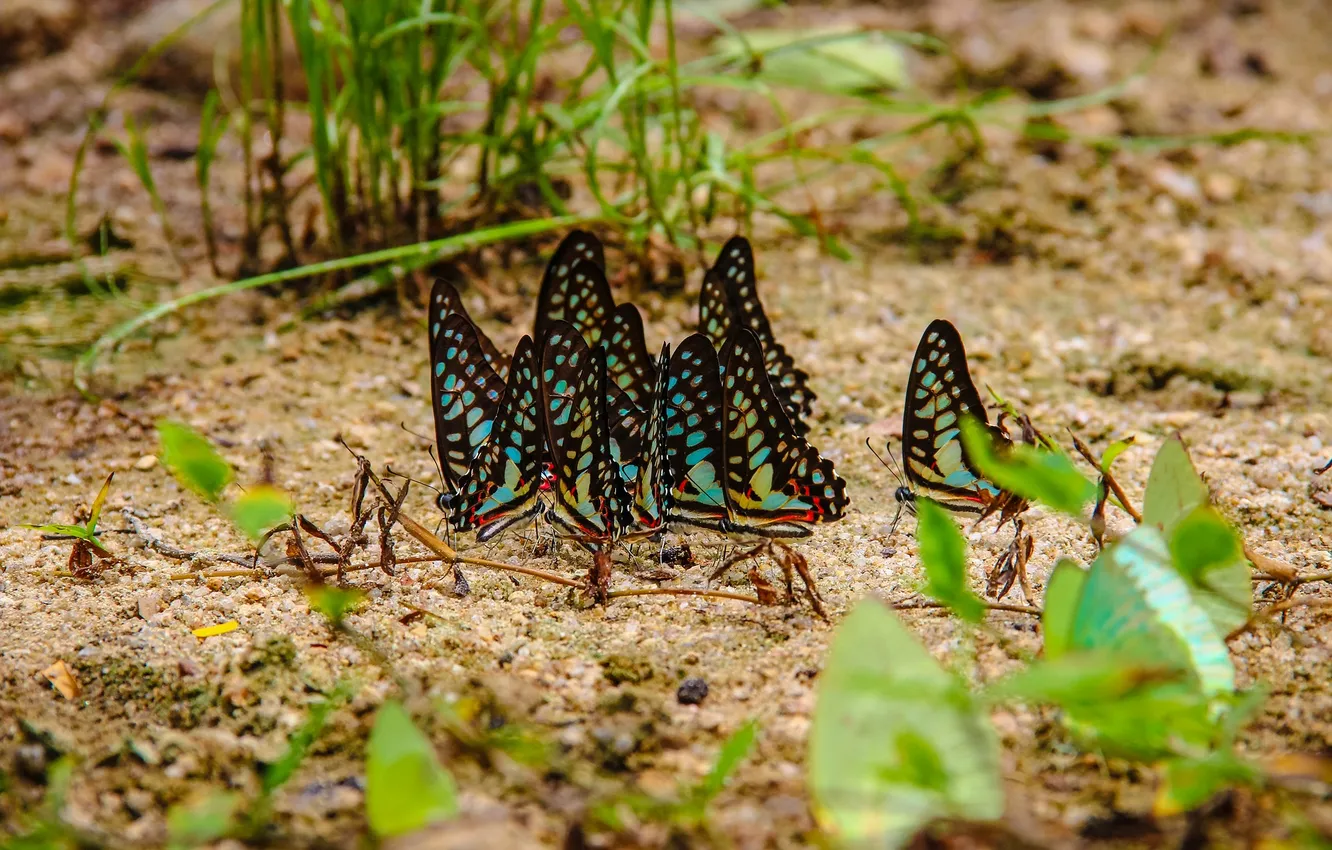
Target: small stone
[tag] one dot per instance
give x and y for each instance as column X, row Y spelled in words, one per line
column 1180, row 186
column 149, row 604
column 145, row 463
column 1220, row 187
column 692, row 691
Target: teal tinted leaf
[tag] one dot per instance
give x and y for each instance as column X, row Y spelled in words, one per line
column 1080, row 678
column 1035, row 474
column 1208, row 553
column 733, row 752
column 193, row 460
column 261, row 508
column 406, row 788
column 333, row 602
column 1062, row 594
column 943, row 551
column 1174, row 488
column 897, row 741
column 827, row 60
column 203, row 822
column 1190, row 782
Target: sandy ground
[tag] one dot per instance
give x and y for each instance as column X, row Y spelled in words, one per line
column 1135, row 293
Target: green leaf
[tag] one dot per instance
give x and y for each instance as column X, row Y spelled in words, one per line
column 333, row 602
column 57, row 528
column 1174, row 488
column 732, row 753
column 193, row 460
column 825, row 60
column 1112, row 453
column 96, row 512
column 1208, row 553
column 1190, row 782
column 897, row 741
column 276, row 774
column 202, row 823
column 406, row 787
column 1063, row 591
column 261, row 508
column 1035, row 474
column 1079, row 678
column 943, row 551
column 1146, row 725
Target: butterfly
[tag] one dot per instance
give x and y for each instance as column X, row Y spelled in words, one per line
column 627, row 359
column 503, row 483
column 939, row 393
column 693, row 484
column 587, row 495
column 574, row 288
column 777, row 484
column 729, row 299
column 465, row 394
column 638, row 449
column 445, row 302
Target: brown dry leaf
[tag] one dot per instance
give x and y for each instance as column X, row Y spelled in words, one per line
column 62, row 679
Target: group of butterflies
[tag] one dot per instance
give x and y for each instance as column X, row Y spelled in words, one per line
column 582, row 426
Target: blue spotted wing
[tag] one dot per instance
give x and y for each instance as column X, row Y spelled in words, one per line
column 777, row 484
column 729, row 298
column 939, row 392
column 627, row 357
column 587, row 494
column 502, row 486
column 574, row 288
column 648, row 490
column 445, row 302
column 693, row 486
column 464, row 395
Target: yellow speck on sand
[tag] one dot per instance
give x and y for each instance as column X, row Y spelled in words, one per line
column 219, row 629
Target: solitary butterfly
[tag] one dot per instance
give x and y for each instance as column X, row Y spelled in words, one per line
column 503, row 483
column 445, row 302
column 465, row 394
column 587, row 494
column 574, row 288
column 939, row 393
column 729, row 299
column 777, row 484
column 693, row 484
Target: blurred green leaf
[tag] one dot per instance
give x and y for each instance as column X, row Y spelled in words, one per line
column 1063, row 591
column 96, row 513
column 78, row 531
column 1113, row 451
column 823, row 60
column 275, row 775
column 734, row 751
column 201, row 823
column 1145, row 726
column 1078, row 678
column 897, row 741
column 333, row 602
column 1189, row 782
column 406, row 787
column 1208, row 553
column 1035, row 474
column 943, row 551
column 261, row 508
column 193, row 460
column 1174, row 488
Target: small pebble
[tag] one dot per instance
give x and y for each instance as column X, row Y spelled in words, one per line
column 145, row 463
column 692, row 691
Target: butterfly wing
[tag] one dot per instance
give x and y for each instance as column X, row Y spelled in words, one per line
column 940, row 392
column 574, row 288
column 693, row 484
column 444, row 302
column 587, row 495
column 627, row 357
column 777, row 484
column 735, row 272
column 647, row 490
column 1135, row 604
column 502, row 486
column 465, row 395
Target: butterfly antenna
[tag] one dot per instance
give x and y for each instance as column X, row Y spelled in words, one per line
column 891, row 467
column 390, row 471
column 422, row 437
